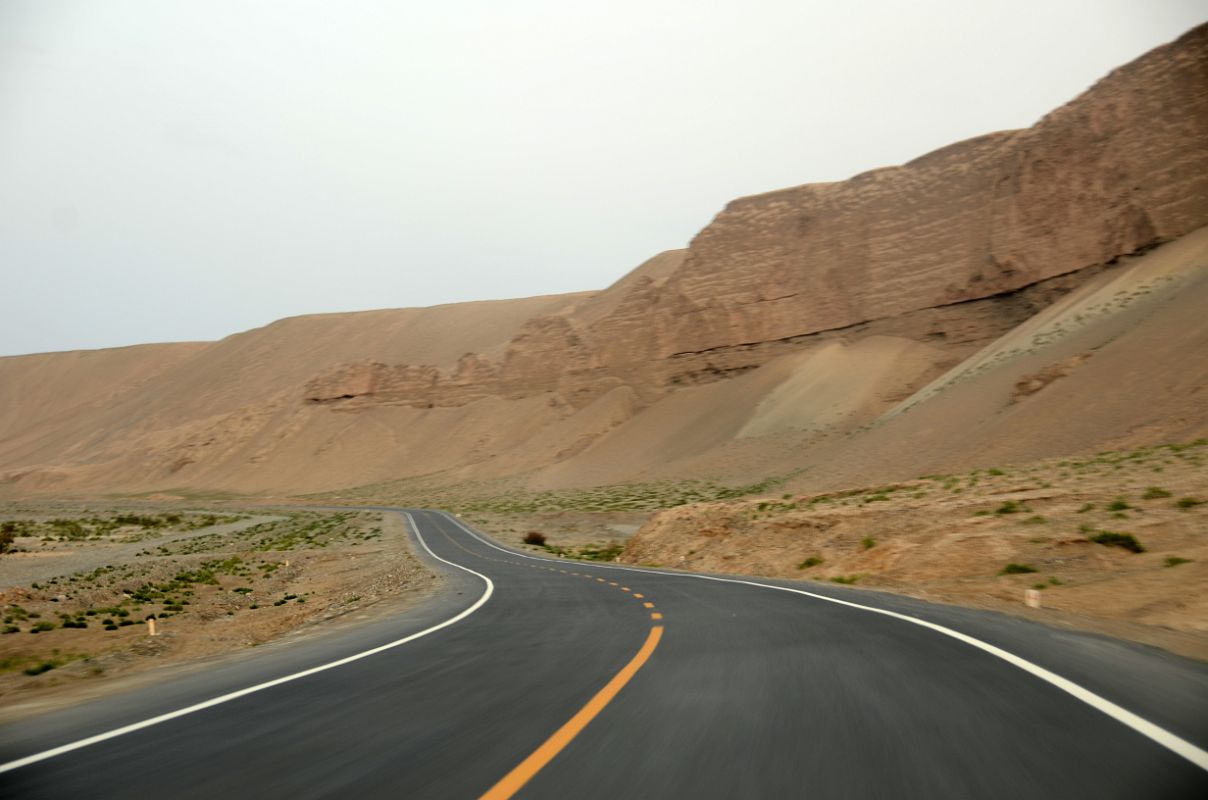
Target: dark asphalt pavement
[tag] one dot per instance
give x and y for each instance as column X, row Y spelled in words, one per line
column 751, row 692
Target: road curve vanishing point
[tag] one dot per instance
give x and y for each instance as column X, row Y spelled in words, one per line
column 556, row 678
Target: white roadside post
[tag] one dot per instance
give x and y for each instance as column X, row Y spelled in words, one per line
column 1031, row 598
column 151, row 626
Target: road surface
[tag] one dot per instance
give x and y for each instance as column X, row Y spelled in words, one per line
column 539, row 678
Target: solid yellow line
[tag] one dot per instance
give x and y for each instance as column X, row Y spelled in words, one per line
column 526, row 769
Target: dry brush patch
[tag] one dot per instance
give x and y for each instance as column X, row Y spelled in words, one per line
column 1119, row 537
column 210, row 588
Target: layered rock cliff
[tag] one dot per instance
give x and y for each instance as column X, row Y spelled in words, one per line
column 896, row 276
column 1118, row 170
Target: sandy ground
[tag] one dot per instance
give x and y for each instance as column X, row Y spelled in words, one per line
column 244, row 584
column 1067, row 528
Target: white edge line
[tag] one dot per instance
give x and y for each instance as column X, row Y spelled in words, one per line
column 226, row 698
column 1151, row 731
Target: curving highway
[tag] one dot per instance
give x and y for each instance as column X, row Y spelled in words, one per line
column 540, row 678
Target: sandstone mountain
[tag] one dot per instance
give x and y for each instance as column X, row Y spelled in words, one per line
column 1018, row 295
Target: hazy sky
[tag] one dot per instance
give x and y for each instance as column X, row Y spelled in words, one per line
column 172, row 169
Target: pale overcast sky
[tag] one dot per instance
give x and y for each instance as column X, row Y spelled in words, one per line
column 186, row 169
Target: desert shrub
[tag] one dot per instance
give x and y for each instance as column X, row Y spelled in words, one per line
column 1010, row 507
column 1171, row 561
column 868, row 543
column 45, row 666
column 1154, row 493
column 1115, row 539
column 609, row 552
column 535, row 537
column 1186, row 503
column 812, row 561
column 1119, row 504
column 846, row 579
column 1016, row 569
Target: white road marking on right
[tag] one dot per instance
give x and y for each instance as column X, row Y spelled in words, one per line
column 1149, row 730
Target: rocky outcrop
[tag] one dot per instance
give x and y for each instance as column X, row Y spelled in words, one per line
column 1120, row 168
column 1008, row 218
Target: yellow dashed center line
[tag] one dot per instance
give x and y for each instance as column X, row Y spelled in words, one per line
column 635, row 594
column 656, row 615
column 624, row 588
column 525, row 770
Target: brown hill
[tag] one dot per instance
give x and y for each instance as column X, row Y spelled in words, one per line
column 947, row 312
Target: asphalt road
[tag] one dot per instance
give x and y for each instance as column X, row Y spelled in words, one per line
column 559, row 679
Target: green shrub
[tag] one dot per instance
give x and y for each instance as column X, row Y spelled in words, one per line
column 1010, row 507
column 42, row 626
column 1119, row 504
column 846, row 579
column 45, row 666
column 812, row 561
column 1154, row 492
column 1017, row 569
column 1115, row 539
column 1187, row 503
column 868, row 543
column 1171, row 561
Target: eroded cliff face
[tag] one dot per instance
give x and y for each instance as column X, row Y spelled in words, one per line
column 943, row 255
column 1119, row 169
